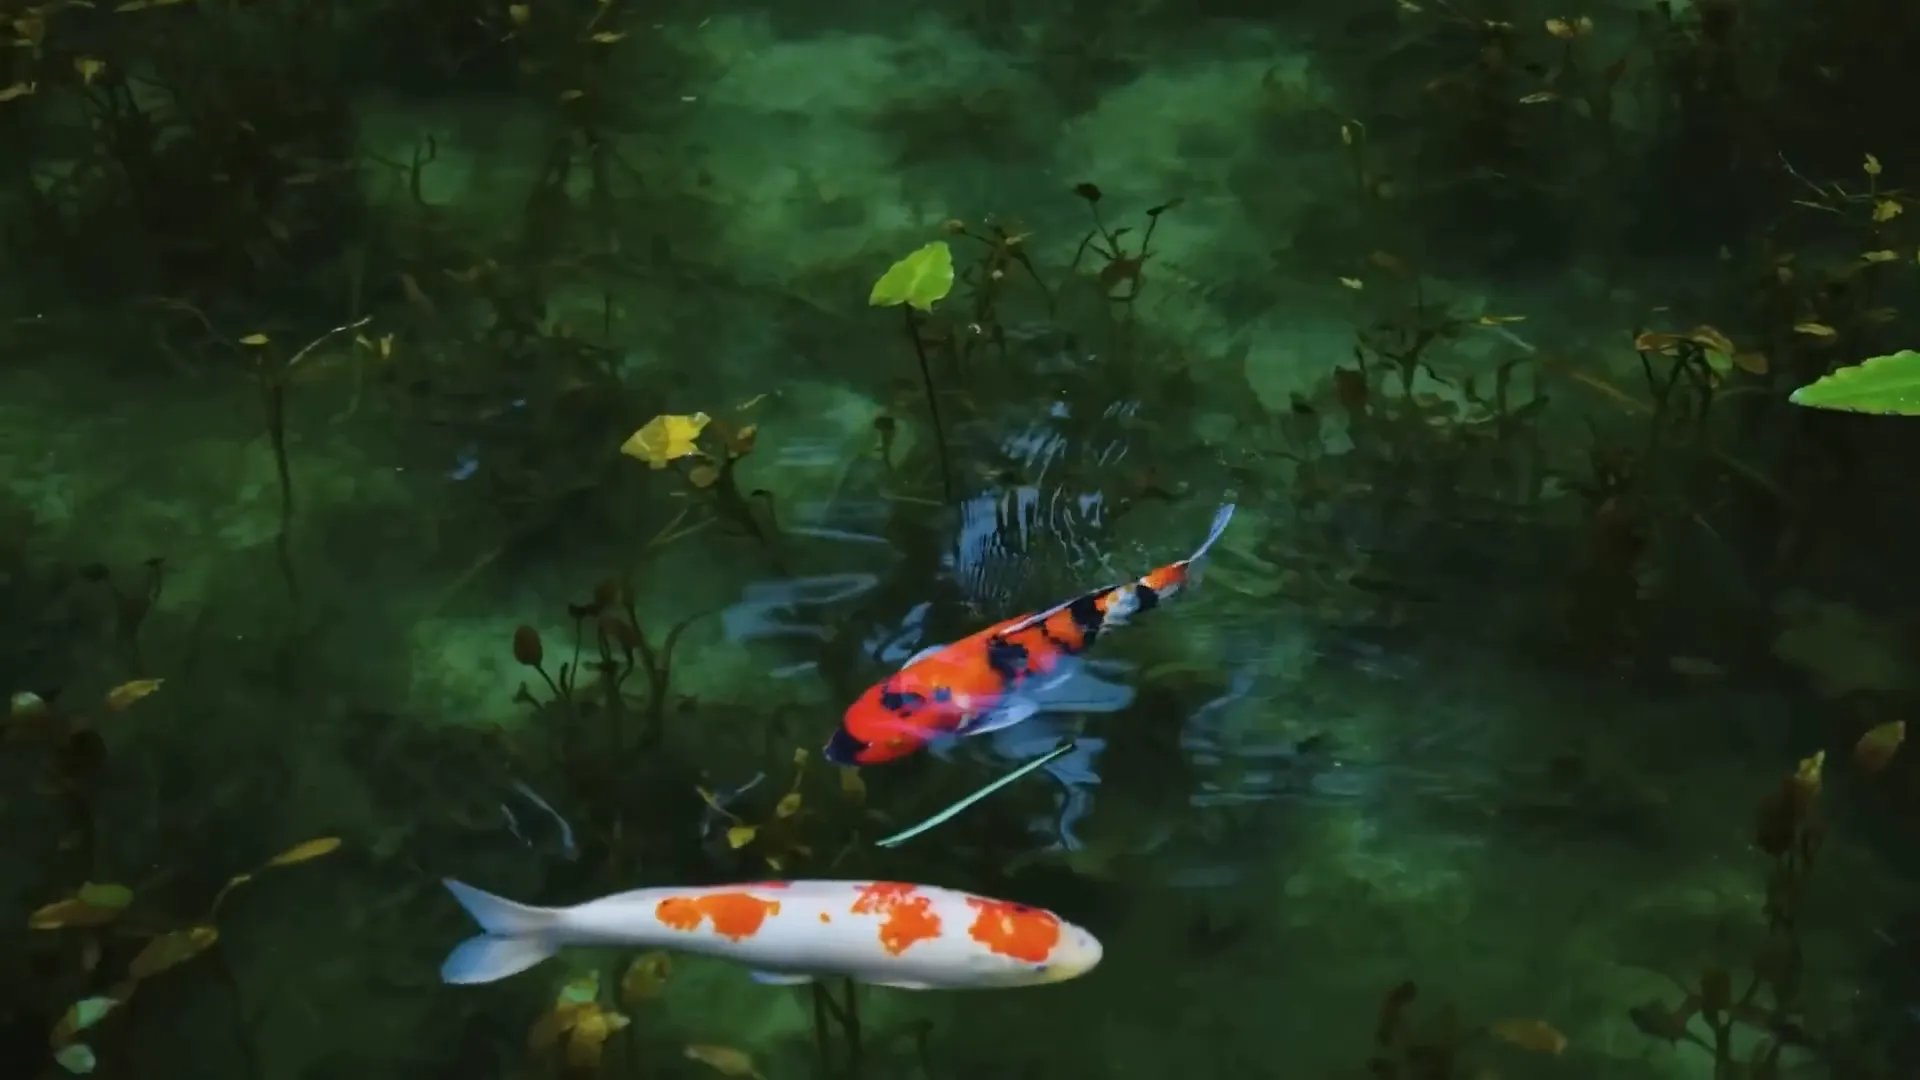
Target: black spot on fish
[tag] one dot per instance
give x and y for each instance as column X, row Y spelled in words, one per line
column 902, row 704
column 1085, row 613
column 1147, row 598
column 1008, row 659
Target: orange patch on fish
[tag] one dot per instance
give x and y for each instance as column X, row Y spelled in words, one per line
column 906, row 916
column 735, row 916
column 1014, row 930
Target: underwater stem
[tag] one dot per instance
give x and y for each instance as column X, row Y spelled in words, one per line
column 933, row 404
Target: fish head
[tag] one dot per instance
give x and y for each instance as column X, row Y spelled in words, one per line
column 1077, row 953
column 890, row 721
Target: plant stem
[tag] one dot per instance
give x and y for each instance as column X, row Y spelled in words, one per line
column 933, row 404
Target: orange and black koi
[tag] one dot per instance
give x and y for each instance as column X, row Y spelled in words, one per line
column 993, row 679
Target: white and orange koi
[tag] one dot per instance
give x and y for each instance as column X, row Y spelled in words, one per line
column 915, row 937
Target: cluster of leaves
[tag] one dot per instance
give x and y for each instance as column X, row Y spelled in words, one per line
column 95, row 909
column 788, row 833
column 706, row 452
column 1771, row 999
column 1407, row 1046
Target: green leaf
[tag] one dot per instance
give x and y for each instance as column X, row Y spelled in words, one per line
column 920, row 280
column 1888, row 385
column 112, row 897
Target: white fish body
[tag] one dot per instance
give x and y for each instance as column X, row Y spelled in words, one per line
column 917, row 937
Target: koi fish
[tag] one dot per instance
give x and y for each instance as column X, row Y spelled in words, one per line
column 914, row 937
column 1002, row 675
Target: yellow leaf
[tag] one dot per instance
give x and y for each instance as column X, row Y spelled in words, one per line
column 1814, row 329
column 1881, row 256
column 105, row 896
column 129, row 692
column 1535, row 1035
column 852, row 784
column 1561, row 29
column 666, row 438
column 788, row 805
column 1539, row 97
column 255, row 340
column 799, row 756
column 585, row 1043
column 18, row 90
column 703, row 475
column 741, row 835
column 645, row 978
column 607, row 37
column 1887, row 210
column 88, row 68
column 1353, row 283
column 554, row 1023
column 71, row 912
column 518, row 14
column 724, row 1060
column 1871, row 166
column 312, row 849
column 920, row 280
column 171, row 949
column 1877, row 747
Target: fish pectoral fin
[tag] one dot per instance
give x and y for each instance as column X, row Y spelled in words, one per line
column 923, row 654
column 1004, row 715
column 904, row 985
column 780, row 978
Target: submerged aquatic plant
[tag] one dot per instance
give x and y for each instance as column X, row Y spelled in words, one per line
column 915, row 283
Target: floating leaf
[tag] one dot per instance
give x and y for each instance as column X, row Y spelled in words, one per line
column 17, row 90
column 76, row 911
column 703, row 475
column 1886, row 210
column 665, row 438
column 920, row 280
column 1815, row 329
column 572, row 95
column 852, row 784
column 1500, row 320
column 105, row 896
column 741, row 835
column 1807, row 776
column 255, row 340
column 88, row 68
column 76, row 1058
column 80, row 1016
column 1539, row 97
column 129, row 692
column 1877, row 747
column 1535, row 1035
column 587, row 1041
column 518, row 14
column 724, row 1060
column 607, row 37
column 1353, row 283
column 1871, row 166
column 1888, row 385
column 554, row 1023
column 645, row 978
column 1881, row 256
column 25, row 704
column 788, row 805
column 312, row 849
column 171, row 949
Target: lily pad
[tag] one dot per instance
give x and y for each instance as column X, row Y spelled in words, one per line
column 1888, row 385
column 921, row 280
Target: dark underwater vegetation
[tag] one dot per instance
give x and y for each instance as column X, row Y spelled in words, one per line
column 499, row 441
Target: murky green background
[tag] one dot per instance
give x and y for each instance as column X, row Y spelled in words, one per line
column 1496, row 684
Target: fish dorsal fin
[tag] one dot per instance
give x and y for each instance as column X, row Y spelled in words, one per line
column 1029, row 621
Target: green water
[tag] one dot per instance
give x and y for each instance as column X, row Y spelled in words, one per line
column 326, row 323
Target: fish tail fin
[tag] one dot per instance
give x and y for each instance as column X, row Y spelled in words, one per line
column 513, row 938
column 1221, row 518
